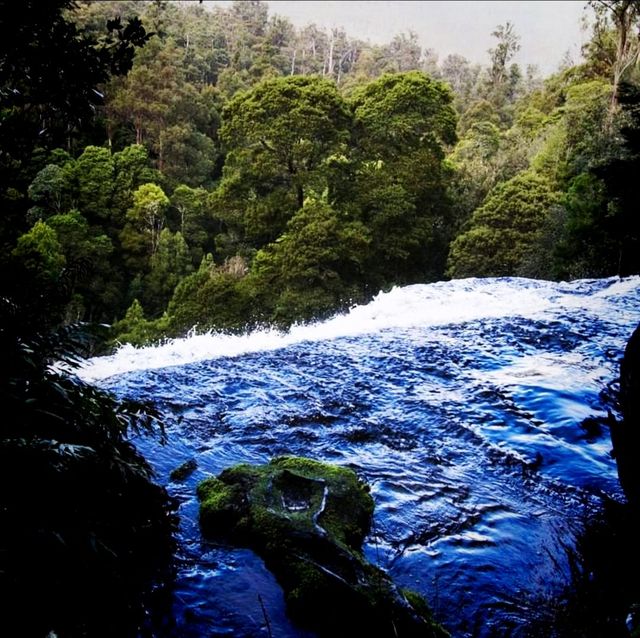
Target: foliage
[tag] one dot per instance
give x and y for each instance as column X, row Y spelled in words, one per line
column 279, row 136
column 170, row 263
column 50, row 73
column 315, row 265
column 620, row 237
column 614, row 28
column 403, row 125
column 213, row 297
column 191, row 205
column 84, row 532
column 41, row 254
column 501, row 231
column 314, row 168
column 140, row 236
column 134, row 328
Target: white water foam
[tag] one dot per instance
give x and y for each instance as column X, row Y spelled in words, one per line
column 437, row 304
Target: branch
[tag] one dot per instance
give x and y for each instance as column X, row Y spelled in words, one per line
column 267, row 145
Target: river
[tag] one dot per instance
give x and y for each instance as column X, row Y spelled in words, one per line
column 476, row 409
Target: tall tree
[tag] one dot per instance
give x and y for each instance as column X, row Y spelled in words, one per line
column 170, row 263
column 279, row 136
column 503, row 78
column 403, row 124
column 145, row 221
column 625, row 16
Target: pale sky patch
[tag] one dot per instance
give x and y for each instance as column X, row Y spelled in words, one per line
column 547, row 28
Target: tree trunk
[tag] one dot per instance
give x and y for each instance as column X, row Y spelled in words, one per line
column 299, row 190
column 624, row 14
column 138, row 127
column 332, row 42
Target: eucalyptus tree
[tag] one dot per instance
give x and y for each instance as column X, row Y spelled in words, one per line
column 504, row 77
column 624, row 17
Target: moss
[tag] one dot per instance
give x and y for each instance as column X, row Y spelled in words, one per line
column 349, row 506
column 421, row 607
column 416, row 601
column 308, row 521
column 221, row 506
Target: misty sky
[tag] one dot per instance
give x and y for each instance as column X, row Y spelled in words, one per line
column 547, row 29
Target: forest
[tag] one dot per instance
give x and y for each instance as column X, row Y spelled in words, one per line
column 247, row 172
column 167, row 168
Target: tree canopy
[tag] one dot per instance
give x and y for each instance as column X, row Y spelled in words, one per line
column 301, row 169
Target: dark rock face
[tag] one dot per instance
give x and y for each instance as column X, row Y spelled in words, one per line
column 626, row 435
column 308, row 520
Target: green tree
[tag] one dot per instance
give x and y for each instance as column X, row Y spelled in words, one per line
column 503, row 79
column 214, row 297
column 403, row 124
column 190, row 156
column 131, row 170
column 146, row 95
column 194, row 222
column 475, row 160
column 462, row 78
column 170, row 263
column 508, row 45
column 316, row 265
column 504, row 229
column 49, row 191
column 279, row 136
column 147, row 215
column 581, row 249
column 93, row 173
column 602, row 232
column 89, row 271
column 402, row 112
column 134, row 328
column 41, row 254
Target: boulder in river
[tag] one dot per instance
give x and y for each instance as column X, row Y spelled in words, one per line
column 308, row 520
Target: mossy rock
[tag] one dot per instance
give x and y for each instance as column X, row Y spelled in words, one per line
column 308, row 520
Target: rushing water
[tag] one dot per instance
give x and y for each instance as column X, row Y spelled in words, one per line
column 476, row 410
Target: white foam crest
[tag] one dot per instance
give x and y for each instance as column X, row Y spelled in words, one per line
column 435, row 304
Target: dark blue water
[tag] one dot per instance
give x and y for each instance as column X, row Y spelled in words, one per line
column 475, row 410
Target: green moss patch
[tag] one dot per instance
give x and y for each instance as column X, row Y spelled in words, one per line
column 308, row 520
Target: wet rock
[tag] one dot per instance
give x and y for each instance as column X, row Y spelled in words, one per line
column 184, row 471
column 308, row 520
column 626, row 435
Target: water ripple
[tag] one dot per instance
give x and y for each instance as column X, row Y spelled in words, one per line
column 475, row 410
